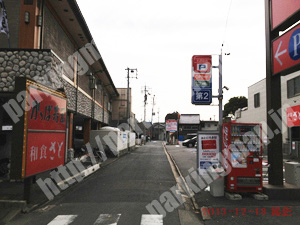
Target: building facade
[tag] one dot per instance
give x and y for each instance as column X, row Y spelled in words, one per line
column 256, row 112
column 51, row 44
column 189, row 125
column 119, row 109
column 208, row 125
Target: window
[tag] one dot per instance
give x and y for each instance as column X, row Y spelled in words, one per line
column 257, row 100
column 293, row 87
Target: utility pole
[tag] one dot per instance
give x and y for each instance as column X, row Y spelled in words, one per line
column 158, row 124
column 146, row 93
column 153, row 103
column 128, row 102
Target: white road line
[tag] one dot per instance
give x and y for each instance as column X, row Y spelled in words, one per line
column 152, row 220
column 63, row 220
column 107, row 219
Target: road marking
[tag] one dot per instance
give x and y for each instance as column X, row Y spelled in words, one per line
column 152, row 220
column 63, row 220
column 107, row 219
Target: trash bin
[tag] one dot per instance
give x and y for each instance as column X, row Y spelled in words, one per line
column 217, row 186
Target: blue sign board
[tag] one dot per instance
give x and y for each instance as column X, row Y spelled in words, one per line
column 202, row 96
column 201, row 80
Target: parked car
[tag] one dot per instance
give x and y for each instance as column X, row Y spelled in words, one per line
column 190, row 142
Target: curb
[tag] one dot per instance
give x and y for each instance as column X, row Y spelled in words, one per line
column 21, row 204
column 195, row 205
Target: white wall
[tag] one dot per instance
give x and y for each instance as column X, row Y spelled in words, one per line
column 252, row 114
column 259, row 115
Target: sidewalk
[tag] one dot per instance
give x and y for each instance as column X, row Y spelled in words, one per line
column 245, row 211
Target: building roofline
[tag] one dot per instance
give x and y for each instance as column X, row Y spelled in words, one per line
column 75, row 8
column 257, row 82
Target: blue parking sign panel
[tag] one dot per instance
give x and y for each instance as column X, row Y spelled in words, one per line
column 202, row 80
column 201, row 97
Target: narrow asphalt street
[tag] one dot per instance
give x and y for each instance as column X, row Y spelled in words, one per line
column 116, row 194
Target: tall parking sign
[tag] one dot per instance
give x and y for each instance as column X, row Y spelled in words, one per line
column 201, row 80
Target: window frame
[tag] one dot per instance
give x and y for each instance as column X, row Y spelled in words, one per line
column 291, row 87
column 257, row 100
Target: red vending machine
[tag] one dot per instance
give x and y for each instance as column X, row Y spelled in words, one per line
column 242, row 157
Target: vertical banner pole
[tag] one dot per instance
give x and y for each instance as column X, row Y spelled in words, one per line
column 220, row 106
column 27, row 187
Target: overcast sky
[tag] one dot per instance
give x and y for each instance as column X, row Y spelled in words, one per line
column 159, row 38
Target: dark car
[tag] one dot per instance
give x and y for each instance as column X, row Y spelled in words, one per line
column 190, row 142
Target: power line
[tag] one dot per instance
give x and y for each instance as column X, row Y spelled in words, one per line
column 226, row 24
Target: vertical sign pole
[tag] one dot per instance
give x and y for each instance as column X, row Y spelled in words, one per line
column 273, row 84
column 220, row 103
column 27, row 187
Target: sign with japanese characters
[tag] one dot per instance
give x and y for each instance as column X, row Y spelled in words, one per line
column 43, row 131
column 201, row 79
column 171, row 125
column 208, row 149
column 293, row 116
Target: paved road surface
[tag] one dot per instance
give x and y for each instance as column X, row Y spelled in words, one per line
column 116, row 194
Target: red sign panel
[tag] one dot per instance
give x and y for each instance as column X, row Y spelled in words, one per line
column 293, row 116
column 202, row 63
column 286, row 50
column 200, row 76
column 48, row 112
column 45, row 151
column 209, row 144
column 46, row 131
column 282, row 10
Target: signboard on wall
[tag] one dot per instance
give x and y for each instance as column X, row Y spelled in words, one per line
column 282, row 10
column 293, row 116
column 171, row 125
column 201, row 79
column 286, row 50
column 43, row 141
column 208, row 151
